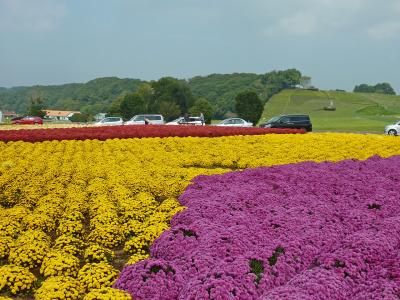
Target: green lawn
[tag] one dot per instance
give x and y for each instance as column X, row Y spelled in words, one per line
column 354, row 111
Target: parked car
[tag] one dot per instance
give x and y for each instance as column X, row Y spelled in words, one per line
column 289, row 121
column 27, row 120
column 140, row 119
column 190, row 121
column 110, row 121
column 235, row 122
column 393, row 129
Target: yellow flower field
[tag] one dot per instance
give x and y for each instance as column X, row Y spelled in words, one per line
column 73, row 213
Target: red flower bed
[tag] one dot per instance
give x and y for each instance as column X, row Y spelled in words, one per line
column 134, row 131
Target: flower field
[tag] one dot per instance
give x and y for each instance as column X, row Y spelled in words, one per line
column 111, row 132
column 305, row 231
column 74, row 213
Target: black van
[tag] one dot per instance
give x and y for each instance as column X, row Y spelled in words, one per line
column 289, row 121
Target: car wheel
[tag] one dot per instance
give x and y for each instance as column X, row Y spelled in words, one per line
column 392, row 132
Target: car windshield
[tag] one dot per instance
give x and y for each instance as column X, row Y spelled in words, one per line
column 138, row 118
column 177, row 120
column 154, row 118
column 272, row 120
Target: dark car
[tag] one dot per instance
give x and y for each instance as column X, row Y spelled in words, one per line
column 289, row 121
column 27, row 120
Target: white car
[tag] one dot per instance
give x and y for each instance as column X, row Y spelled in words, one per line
column 235, row 122
column 110, row 121
column 191, row 121
column 140, row 119
column 393, row 129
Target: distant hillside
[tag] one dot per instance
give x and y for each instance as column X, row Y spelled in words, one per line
column 96, row 95
column 221, row 89
column 354, row 111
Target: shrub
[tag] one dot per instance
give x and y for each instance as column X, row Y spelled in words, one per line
column 59, row 287
column 106, row 294
column 16, row 279
column 57, row 263
column 97, row 275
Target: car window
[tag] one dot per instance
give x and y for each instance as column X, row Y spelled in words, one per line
column 273, row 120
column 230, row 121
column 284, row 120
column 112, row 120
column 194, row 119
column 177, row 120
column 138, row 118
column 154, row 118
column 238, row 121
column 299, row 118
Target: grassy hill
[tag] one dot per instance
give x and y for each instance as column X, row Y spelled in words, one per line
column 354, row 111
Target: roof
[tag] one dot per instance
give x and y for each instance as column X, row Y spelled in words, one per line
column 9, row 113
column 59, row 113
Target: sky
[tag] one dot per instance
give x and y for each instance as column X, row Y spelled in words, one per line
column 339, row 43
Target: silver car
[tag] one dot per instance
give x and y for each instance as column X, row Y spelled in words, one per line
column 189, row 121
column 140, row 119
column 110, row 121
column 235, row 122
column 393, row 129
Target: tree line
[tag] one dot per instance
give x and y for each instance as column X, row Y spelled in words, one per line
column 215, row 95
column 380, row 88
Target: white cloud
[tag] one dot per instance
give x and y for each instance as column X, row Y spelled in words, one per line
column 385, row 30
column 297, row 24
column 307, row 17
column 29, row 15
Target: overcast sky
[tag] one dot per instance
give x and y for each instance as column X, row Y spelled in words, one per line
column 339, row 43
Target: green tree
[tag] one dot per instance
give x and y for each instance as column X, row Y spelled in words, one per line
column 115, row 107
column 146, row 91
column 249, row 106
column 277, row 81
column 133, row 104
column 81, row 118
column 384, row 88
column 93, row 109
column 36, row 107
column 169, row 110
column 202, row 105
column 381, row 88
column 168, row 89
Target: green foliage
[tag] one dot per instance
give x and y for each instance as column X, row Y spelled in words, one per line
column 133, row 104
column 380, row 88
column 106, row 94
column 36, row 108
column 274, row 257
column 277, row 81
column 168, row 89
column 80, row 118
column 257, row 267
column 204, row 106
column 169, row 110
column 221, row 90
column 74, row 96
column 115, row 107
column 249, row 106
